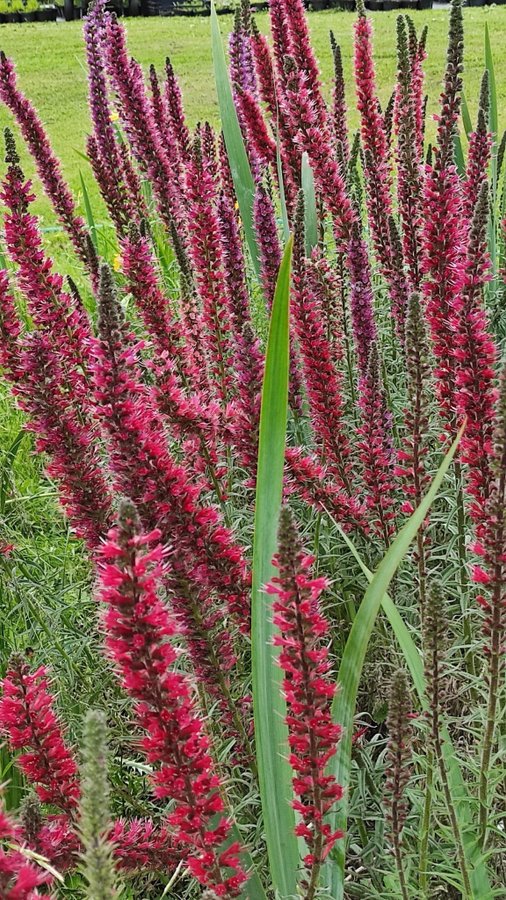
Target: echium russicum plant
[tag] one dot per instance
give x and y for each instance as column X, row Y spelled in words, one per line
column 344, row 265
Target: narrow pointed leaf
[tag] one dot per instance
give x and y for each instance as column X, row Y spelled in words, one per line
column 236, row 151
column 466, row 116
column 90, row 218
column 352, row 662
column 311, row 217
column 282, row 194
column 489, row 63
column 268, row 702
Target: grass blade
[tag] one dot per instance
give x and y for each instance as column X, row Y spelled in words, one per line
column 459, row 154
column 466, row 117
column 311, row 216
column 268, row 702
column 352, row 661
column 282, row 194
column 489, row 63
column 479, row 878
column 90, row 218
column 236, row 151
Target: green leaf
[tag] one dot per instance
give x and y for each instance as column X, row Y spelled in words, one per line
column 236, row 151
column 466, row 116
column 311, row 217
column 459, row 154
column 90, row 218
column 282, row 193
column 271, row 736
column 462, row 801
column 489, row 63
column 350, row 670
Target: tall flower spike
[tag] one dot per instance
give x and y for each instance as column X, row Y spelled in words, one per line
column 398, row 762
column 175, row 109
column 376, row 450
column 480, row 147
column 28, row 719
column 339, row 110
column 52, row 309
column 443, row 222
column 376, row 166
column 313, row 137
column 208, row 572
column 48, row 166
column 103, row 147
column 137, row 116
column 19, row 878
column 323, row 380
column 412, row 458
column 309, row 690
column 207, row 257
column 476, row 353
column 302, row 50
column 138, row 637
column 491, row 576
column 98, row 864
column 409, row 180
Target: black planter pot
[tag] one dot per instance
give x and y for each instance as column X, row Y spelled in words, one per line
column 46, row 14
column 29, row 17
column 374, row 5
column 424, row 4
column 13, row 17
column 475, row 3
column 388, row 5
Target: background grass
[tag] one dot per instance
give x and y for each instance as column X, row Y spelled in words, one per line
column 50, row 61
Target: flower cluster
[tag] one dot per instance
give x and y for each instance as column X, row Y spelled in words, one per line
column 308, row 689
column 138, row 632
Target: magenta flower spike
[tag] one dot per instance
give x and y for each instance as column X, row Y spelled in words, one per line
column 48, row 167
column 19, row 878
column 28, row 719
column 476, row 355
column 103, row 147
column 139, row 633
column 323, row 381
column 207, row 259
column 309, row 690
column 376, row 450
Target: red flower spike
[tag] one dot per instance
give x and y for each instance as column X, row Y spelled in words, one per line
column 28, row 719
column 309, row 691
column 138, row 638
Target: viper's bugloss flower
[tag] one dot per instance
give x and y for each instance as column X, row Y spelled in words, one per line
column 19, row 877
column 480, row 148
column 28, row 719
column 309, row 690
column 48, row 166
column 103, row 147
column 139, row 630
column 376, row 449
column 207, row 258
column 374, row 143
column 323, row 380
column 476, row 353
column 64, row 323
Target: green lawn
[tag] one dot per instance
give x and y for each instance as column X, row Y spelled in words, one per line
column 50, row 62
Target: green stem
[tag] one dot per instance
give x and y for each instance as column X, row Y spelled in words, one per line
column 423, row 881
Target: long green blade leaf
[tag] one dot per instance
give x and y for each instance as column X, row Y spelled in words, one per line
column 479, row 878
column 268, row 703
column 311, row 217
column 352, row 662
column 466, row 116
column 236, row 151
column 489, row 62
column 90, row 218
